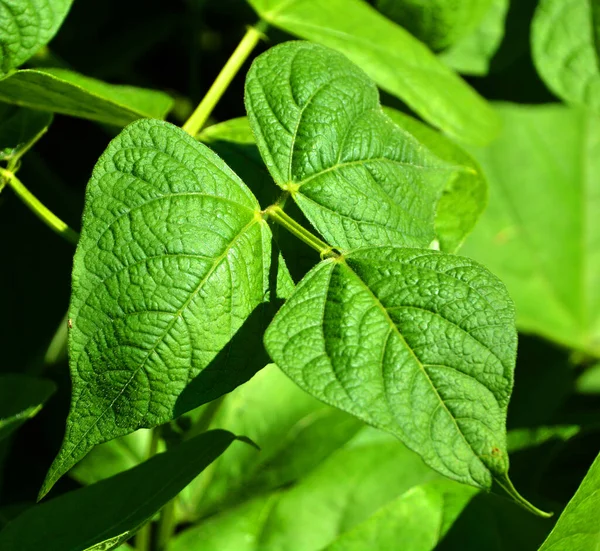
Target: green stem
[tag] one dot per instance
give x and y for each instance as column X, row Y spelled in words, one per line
column 199, row 117
column 41, row 211
column 143, row 539
column 166, row 526
column 275, row 212
column 506, row 484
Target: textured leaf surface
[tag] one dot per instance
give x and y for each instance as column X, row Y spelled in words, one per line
column 103, row 515
column 18, row 128
column 295, row 433
column 578, row 528
column 465, row 196
column 472, row 54
column 418, row 343
column 21, row 398
column 541, row 232
column 394, row 59
column 438, row 23
column 353, row 484
column 69, row 93
column 357, row 177
column 566, row 49
column 26, row 26
column 172, row 262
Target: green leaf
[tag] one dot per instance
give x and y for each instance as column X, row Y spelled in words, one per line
column 27, row 25
column 417, row 343
column 465, row 195
column 69, row 93
column 438, row 23
column 524, row 438
column 589, row 381
column 21, row 398
column 395, row 60
column 173, row 261
column 541, row 231
column 295, row 433
column 472, row 54
column 416, row 521
column 353, row 484
column 565, row 36
column 356, row 176
column 19, row 128
column 578, row 528
column 103, row 515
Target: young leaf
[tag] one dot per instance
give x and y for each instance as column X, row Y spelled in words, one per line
column 394, row 59
column 27, row 25
column 357, row 177
column 540, row 232
column 21, row 398
column 19, row 128
column 566, row 48
column 438, row 23
column 173, row 261
column 105, row 514
column 418, row 343
column 578, row 528
column 69, row 93
column 465, row 195
column 472, row 54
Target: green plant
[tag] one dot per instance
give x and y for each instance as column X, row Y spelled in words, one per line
column 319, row 232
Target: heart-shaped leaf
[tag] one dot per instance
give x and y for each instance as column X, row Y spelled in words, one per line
column 173, row 261
column 102, row 515
column 26, row 26
column 69, row 93
column 359, row 178
column 566, row 49
column 392, row 57
column 418, row 343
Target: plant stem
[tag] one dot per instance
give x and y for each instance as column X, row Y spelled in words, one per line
column 275, row 212
column 199, row 117
column 143, row 539
column 41, row 211
column 166, row 526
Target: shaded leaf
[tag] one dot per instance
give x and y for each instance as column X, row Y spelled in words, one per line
column 565, row 36
column 357, row 177
column 399, row 63
column 540, row 233
column 173, row 262
column 589, row 381
column 465, row 196
column 19, row 127
column 69, row 93
column 103, row 515
column 21, row 398
column 522, row 439
column 27, row 25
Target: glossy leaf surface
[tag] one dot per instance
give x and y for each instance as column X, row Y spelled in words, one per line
column 69, row 93
column 173, row 261
column 541, row 233
column 103, row 515
column 418, row 343
column 566, row 49
column 394, row 59
column 26, row 26
column 357, row 177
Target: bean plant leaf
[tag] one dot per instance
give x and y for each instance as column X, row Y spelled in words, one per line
column 21, row 398
column 26, row 26
column 394, row 59
column 465, row 196
column 541, row 233
column 103, row 515
column 69, row 93
column 589, row 381
column 19, row 128
column 525, row 438
column 566, row 49
column 578, row 528
column 173, row 261
column 418, row 343
column 358, row 178
column 472, row 54
column 438, row 23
